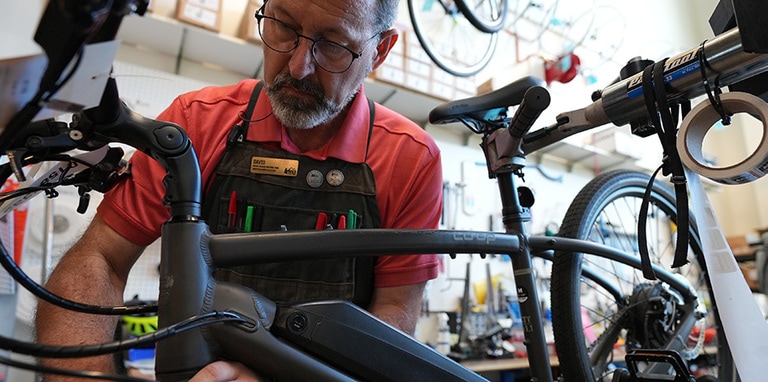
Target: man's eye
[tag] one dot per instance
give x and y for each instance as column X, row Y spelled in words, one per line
column 332, row 50
column 285, row 33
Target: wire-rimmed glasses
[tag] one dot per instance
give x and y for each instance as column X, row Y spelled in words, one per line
column 280, row 37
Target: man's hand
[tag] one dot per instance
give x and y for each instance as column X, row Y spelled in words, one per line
column 224, row 371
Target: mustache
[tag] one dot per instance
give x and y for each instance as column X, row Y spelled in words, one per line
column 284, row 80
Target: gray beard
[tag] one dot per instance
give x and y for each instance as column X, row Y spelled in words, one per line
column 302, row 113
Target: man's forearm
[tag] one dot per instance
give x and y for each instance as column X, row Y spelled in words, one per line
column 57, row 326
column 398, row 306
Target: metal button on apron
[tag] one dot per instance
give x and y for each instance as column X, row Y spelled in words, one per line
column 315, row 178
column 334, row 177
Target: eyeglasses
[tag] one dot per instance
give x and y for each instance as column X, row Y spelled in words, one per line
column 278, row 36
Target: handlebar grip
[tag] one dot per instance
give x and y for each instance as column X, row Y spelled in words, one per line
column 535, row 100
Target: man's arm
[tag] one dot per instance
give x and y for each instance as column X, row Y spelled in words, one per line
column 398, row 306
column 94, row 271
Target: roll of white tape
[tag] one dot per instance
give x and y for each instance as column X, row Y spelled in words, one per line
column 698, row 122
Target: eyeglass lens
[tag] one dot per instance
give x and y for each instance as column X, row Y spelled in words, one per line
column 280, row 37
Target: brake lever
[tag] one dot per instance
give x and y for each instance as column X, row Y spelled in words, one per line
column 104, row 175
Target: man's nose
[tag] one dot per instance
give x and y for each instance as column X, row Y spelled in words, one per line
column 302, row 63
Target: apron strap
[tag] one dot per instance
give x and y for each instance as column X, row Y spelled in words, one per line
column 239, row 132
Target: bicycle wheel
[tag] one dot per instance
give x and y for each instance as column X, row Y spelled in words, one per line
column 595, row 327
column 449, row 39
column 488, row 16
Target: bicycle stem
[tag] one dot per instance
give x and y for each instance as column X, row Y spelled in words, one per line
column 167, row 143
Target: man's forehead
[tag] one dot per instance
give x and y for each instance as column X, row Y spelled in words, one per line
column 351, row 9
column 343, row 16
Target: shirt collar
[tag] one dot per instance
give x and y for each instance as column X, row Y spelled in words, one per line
column 348, row 144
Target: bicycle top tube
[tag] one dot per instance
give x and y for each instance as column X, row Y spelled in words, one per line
column 238, row 248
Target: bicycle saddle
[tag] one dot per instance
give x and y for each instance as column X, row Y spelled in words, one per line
column 478, row 107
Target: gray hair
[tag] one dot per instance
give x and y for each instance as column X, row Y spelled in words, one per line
column 384, row 15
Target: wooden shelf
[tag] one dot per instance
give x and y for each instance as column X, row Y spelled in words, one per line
column 484, row 365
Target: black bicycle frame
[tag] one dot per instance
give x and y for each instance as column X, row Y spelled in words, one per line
column 267, row 341
column 289, row 342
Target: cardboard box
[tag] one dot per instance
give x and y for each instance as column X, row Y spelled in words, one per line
column 203, row 13
column 487, row 86
column 249, row 28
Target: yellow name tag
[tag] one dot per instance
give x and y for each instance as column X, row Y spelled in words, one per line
column 274, row 166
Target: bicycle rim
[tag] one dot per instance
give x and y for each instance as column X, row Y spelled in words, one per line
column 488, row 16
column 449, row 39
column 590, row 325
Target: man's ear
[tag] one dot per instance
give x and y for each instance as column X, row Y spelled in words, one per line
column 387, row 41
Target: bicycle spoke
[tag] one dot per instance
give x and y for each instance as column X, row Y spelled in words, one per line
column 449, row 39
column 645, row 316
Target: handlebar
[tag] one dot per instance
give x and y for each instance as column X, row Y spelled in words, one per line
column 113, row 121
column 535, row 100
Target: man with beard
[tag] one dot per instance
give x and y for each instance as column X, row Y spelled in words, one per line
column 300, row 149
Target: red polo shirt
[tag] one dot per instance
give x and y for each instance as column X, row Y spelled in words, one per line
column 404, row 159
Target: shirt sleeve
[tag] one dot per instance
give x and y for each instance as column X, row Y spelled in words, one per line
column 412, row 200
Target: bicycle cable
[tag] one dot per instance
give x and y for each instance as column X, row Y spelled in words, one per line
column 39, row 291
column 68, row 372
column 33, row 107
column 51, row 351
